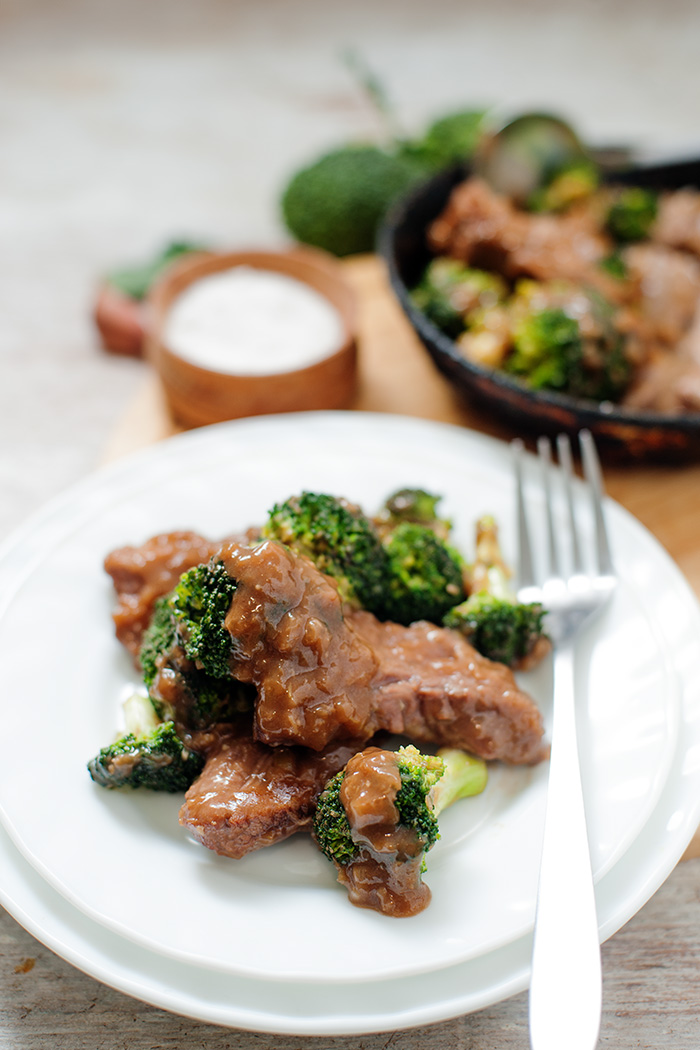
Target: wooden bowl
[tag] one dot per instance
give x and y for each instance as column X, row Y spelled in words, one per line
column 198, row 396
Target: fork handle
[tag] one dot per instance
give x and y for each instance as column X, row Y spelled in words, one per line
column 565, row 983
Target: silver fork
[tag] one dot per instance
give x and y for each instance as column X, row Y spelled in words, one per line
column 565, row 985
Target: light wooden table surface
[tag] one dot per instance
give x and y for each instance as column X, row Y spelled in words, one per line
column 651, row 966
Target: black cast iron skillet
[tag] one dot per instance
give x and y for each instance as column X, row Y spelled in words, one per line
column 635, row 434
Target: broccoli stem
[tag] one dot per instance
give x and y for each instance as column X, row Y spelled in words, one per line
column 465, row 775
column 489, row 571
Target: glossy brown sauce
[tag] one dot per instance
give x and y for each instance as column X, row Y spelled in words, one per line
column 386, row 874
column 313, row 672
column 249, row 795
column 323, row 677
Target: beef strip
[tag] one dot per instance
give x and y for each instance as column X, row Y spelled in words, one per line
column 433, row 687
column 143, row 574
column 484, row 229
column 323, row 677
column 678, row 221
column 250, row 795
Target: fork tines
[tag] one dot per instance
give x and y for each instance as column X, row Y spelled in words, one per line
column 561, row 477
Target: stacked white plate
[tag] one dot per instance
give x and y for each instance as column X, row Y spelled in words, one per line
column 111, row 882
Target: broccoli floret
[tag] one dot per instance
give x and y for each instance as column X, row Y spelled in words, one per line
column 159, row 638
column 449, row 292
column 614, row 265
column 419, row 774
column 196, row 699
column 338, row 202
column 415, row 505
column 136, row 281
column 547, row 350
column 412, row 505
column 425, row 575
column 492, row 619
column 632, row 214
column 437, row 308
column 150, row 755
column 450, row 139
column 340, row 540
column 500, row 628
column 574, row 182
column 159, row 761
column 393, row 845
column 199, row 604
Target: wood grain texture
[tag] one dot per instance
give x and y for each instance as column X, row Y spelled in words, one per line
column 651, row 998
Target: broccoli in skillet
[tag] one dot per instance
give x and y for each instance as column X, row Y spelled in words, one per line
column 449, row 291
column 377, row 818
column 425, row 575
column 569, row 184
column 492, row 619
column 550, row 353
column 339, row 539
column 151, row 756
column 632, row 214
column 547, row 350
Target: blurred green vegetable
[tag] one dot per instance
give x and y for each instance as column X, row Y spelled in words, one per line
column 449, row 140
column 338, row 202
column 632, row 214
column 547, row 350
column 136, row 281
column 574, row 182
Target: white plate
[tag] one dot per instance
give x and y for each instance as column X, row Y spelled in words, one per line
column 123, row 859
column 349, row 1009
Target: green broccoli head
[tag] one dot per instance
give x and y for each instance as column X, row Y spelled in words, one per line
column 449, row 140
column 199, row 604
column 158, row 761
column 195, row 698
column 615, row 266
column 340, row 540
column 567, row 185
column 500, row 628
column 449, row 291
column 338, row 202
column 547, row 350
column 419, row 774
column 425, row 575
column 158, row 639
column 414, row 505
column 632, row 214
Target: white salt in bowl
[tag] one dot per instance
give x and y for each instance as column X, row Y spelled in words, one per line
column 252, row 333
